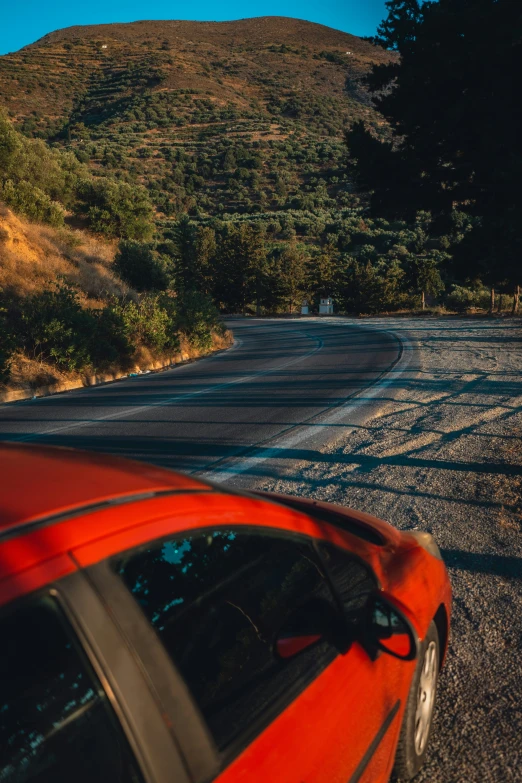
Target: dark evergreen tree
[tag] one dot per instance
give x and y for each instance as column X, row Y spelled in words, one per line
column 452, row 101
column 322, row 273
column 292, row 264
column 238, row 267
column 423, row 274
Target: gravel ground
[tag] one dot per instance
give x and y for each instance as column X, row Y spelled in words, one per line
column 445, row 455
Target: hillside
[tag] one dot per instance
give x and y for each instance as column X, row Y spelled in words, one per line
column 212, row 117
column 66, row 316
column 34, row 256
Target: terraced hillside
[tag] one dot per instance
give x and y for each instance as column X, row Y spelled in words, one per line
column 234, row 117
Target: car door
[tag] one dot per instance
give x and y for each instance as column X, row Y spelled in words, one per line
column 73, row 703
column 217, row 600
column 382, row 680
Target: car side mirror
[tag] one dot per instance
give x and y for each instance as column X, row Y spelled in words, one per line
column 389, row 629
column 306, row 626
column 288, row 646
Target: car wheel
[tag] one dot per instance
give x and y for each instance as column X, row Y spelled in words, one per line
column 417, row 721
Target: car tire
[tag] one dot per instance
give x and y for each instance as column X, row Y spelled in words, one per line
column 418, row 716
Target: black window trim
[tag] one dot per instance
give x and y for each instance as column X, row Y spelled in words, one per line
column 187, row 726
column 374, row 745
column 321, row 542
column 202, row 757
column 122, row 680
column 119, row 676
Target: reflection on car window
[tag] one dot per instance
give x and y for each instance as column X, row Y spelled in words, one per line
column 218, row 602
column 55, row 723
column 352, row 579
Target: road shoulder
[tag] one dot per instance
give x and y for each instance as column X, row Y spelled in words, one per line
column 443, row 454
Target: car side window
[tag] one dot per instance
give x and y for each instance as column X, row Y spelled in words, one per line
column 218, row 601
column 55, row 720
column 353, row 580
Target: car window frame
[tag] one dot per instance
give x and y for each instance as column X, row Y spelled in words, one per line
column 187, row 725
column 118, row 672
column 323, row 543
column 203, row 758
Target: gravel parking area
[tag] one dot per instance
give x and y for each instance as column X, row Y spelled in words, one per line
column 445, row 455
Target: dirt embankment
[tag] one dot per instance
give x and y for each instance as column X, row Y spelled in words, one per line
column 32, row 258
column 31, row 378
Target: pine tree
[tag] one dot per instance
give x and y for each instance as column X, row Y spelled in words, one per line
column 237, row 267
column 423, row 274
column 292, row 265
column 192, row 248
column 323, row 274
column 453, row 107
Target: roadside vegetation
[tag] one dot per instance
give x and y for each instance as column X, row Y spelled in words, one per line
column 320, row 176
column 65, row 314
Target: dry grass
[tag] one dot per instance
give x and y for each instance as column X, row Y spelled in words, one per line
column 144, row 359
column 31, row 376
column 219, row 342
column 33, row 256
column 29, row 373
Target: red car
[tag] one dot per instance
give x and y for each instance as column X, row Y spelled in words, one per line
column 156, row 628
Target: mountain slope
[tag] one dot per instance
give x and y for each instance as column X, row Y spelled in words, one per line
column 66, row 315
column 213, row 117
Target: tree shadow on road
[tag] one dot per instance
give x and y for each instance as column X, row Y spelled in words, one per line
column 497, row 565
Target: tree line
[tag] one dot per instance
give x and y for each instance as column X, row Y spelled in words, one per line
column 452, row 103
column 366, row 265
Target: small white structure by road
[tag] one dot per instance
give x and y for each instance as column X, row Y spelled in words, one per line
column 326, row 305
column 304, row 307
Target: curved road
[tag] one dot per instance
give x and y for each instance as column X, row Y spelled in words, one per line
column 283, row 384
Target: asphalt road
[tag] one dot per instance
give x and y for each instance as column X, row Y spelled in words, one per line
column 283, row 382
column 442, row 453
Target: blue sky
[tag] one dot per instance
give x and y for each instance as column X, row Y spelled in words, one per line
column 23, row 23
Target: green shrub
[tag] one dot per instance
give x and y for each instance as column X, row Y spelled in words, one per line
column 7, row 346
column 137, row 265
column 109, row 342
column 57, row 329
column 149, row 323
column 10, row 144
column 117, row 209
column 462, row 299
column 198, row 317
column 82, row 156
column 32, row 202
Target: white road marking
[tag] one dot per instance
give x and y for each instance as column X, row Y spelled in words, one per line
column 76, row 425
column 222, row 474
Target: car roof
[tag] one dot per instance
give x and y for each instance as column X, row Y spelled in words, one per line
column 42, row 486
column 46, row 481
